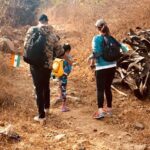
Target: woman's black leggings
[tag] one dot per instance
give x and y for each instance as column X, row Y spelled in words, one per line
column 104, row 80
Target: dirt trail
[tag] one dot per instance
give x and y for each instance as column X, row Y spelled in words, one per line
column 78, row 129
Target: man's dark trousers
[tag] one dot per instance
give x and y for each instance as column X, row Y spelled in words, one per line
column 41, row 80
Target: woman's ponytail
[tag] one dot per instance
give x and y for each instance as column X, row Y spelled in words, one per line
column 105, row 30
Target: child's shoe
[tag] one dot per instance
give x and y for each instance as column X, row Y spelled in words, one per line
column 64, row 109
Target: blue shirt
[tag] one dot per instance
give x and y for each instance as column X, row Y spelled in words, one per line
column 67, row 67
column 98, row 47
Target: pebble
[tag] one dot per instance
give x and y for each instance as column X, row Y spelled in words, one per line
column 2, row 124
column 125, row 112
column 148, row 148
column 80, row 145
column 148, row 111
column 94, row 130
column 139, row 126
column 140, row 147
column 125, row 136
column 134, row 147
column 59, row 137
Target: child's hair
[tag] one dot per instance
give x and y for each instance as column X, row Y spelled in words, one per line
column 67, row 47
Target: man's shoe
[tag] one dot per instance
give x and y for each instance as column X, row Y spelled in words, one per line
column 41, row 120
column 47, row 111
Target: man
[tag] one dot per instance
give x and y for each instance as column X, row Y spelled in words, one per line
column 41, row 75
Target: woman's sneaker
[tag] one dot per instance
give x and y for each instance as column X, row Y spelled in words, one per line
column 98, row 115
column 109, row 112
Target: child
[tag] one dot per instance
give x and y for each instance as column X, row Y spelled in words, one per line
column 64, row 78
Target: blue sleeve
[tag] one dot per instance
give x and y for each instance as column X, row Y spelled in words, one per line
column 97, row 44
column 94, row 44
column 124, row 48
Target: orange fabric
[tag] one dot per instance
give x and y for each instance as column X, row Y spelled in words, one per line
column 12, row 59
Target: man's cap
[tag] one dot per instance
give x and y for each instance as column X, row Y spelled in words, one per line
column 100, row 23
column 43, row 17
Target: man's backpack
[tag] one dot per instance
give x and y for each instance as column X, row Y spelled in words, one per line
column 34, row 50
column 111, row 51
column 58, row 67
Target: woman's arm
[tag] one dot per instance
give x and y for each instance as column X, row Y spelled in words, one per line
column 124, row 48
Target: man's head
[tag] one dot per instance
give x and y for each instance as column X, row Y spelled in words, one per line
column 43, row 19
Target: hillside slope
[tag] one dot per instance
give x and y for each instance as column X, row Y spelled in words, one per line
column 80, row 131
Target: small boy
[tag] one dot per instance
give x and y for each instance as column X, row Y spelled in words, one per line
column 64, row 78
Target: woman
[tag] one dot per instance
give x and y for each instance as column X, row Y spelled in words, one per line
column 105, row 70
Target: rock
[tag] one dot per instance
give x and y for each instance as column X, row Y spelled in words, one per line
column 94, row 130
column 139, row 126
column 81, row 145
column 103, row 134
column 125, row 137
column 120, row 115
column 78, row 146
column 74, row 98
column 148, row 148
column 59, row 137
column 140, row 147
column 148, row 111
column 6, row 130
column 2, row 124
column 6, row 45
column 134, row 147
column 125, row 112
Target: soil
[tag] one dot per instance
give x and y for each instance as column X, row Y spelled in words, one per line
column 76, row 129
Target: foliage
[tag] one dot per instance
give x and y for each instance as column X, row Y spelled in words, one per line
column 18, row 12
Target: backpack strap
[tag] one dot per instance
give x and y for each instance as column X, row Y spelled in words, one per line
column 105, row 43
column 97, row 55
column 118, row 44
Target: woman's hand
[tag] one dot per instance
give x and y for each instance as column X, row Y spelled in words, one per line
column 92, row 63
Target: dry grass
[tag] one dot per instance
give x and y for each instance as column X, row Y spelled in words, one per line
column 76, row 25
column 5, row 92
column 81, row 17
